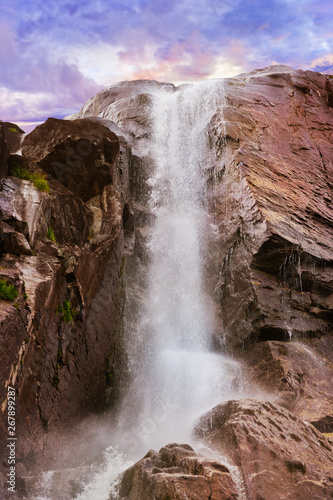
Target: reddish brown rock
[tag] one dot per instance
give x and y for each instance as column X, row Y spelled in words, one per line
column 62, row 345
column 268, row 175
column 14, row 135
column 299, row 375
column 272, row 204
column 279, row 455
column 177, row 472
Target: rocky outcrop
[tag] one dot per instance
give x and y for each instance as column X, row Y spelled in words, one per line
column 78, row 154
column 14, row 136
column 177, row 472
column 299, row 375
column 126, row 104
column 62, row 247
column 4, row 153
column 279, row 455
column 272, row 203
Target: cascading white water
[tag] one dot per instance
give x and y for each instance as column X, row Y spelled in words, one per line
column 176, row 375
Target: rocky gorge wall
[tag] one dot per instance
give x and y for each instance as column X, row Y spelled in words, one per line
column 269, row 192
column 62, row 247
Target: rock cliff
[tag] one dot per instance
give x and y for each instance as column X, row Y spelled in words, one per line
column 269, row 181
column 62, row 248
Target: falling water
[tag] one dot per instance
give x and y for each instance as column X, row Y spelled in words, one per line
column 179, row 377
column 176, row 374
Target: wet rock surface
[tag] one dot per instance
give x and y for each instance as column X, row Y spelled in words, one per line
column 272, row 204
column 299, row 374
column 279, row 455
column 177, row 472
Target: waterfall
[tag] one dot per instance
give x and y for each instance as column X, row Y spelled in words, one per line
column 176, row 375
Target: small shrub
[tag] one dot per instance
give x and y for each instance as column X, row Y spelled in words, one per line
column 7, row 291
column 16, row 305
column 12, row 129
column 66, row 312
column 50, row 235
column 25, row 296
column 21, row 173
column 108, row 378
column 38, row 180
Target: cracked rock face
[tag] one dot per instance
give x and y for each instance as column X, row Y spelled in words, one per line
column 177, row 472
column 276, row 275
column 61, row 344
column 278, row 454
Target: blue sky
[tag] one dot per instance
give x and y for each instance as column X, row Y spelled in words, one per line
column 56, row 54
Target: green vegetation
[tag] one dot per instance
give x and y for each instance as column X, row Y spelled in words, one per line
column 108, row 378
column 16, row 305
column 122, row 266
column 66, row 312
column 21, row 172
column 55, row 380
column 7, row 291
column 40, row 182
column 25, row 296
column 38, row 179
column 50, row 235
column 13, row 129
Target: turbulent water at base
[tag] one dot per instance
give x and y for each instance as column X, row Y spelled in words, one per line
column 176, row 375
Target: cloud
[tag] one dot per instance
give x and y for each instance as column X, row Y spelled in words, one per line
column 33, row 85
column 55, row 54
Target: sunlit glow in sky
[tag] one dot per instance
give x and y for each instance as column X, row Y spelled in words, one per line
column 56, row 54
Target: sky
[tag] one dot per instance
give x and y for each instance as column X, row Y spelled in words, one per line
column 56, row 54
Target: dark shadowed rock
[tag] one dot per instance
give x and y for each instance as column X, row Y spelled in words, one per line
column 279, row 455
column 4, row 152
column 177, row 472
column 14, row 135
column 78, row 153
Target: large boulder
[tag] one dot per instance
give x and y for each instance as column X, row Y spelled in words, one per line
column 14, row 136
column 279, row 455
column 177, row 472
column 79, row 154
